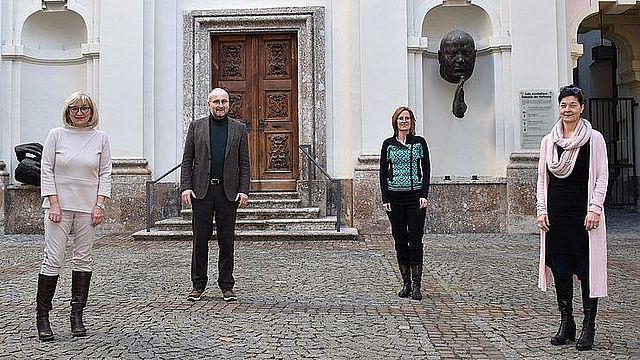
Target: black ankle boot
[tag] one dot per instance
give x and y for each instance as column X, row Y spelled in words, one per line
column 590, row 308
column 564, row 293
column 416, row 276
column 405, row 271
column 46, row 290
column 80, row 281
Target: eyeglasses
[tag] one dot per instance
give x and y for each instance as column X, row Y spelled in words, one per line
column 570, row 90
column 75, row 109
column 404, row 118
column 219, row 102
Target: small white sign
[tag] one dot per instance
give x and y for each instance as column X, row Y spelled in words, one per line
column 537, row 116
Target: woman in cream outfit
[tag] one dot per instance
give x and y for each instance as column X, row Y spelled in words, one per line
column 75, row 181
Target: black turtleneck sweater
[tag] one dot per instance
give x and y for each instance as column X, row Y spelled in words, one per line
column 218, row 134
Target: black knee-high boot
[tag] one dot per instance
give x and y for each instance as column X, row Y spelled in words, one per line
column 590, row 308
column 80, row 281
column 405, row 271
column 416, row 276
column 46, row 289
column 564, row 294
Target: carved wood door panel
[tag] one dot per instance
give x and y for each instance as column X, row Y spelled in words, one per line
column 260, row 73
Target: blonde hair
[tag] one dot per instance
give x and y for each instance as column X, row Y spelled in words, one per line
column 79, row 97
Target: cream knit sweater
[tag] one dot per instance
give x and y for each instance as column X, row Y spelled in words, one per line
column 76, row 166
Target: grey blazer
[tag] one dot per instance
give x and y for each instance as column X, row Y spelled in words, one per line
column 196, row 159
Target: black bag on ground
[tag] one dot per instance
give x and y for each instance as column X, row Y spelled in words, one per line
column 28, row 172
column 30, row 156
column 29, row 150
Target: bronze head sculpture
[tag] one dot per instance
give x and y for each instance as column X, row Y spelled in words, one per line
column 457, row 58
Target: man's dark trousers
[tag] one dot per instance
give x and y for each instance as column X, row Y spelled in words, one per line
column 214, row 202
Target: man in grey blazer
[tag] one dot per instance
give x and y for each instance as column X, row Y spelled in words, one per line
column 215, row 182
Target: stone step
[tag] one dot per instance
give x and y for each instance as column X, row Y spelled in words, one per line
column 261, row 195
column 287, row 213
column 326, row 223
column 260, row 235
column 270, row 203
column 273, row 203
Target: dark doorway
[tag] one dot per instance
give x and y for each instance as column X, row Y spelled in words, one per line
column 614, row 118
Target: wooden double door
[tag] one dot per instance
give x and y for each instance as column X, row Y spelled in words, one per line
column 260, row 73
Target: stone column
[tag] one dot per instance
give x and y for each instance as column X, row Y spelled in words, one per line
column 126, row 208
column 522, row 175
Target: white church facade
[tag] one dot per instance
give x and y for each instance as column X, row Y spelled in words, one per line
column 323, row 77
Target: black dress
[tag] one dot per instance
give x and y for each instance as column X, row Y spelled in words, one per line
column 567, row 208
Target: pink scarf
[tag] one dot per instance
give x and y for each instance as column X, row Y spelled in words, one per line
column 562, row 166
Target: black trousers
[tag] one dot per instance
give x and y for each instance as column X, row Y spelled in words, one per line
column 215, row 203
column 407, row 228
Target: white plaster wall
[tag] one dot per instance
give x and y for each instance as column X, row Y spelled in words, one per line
column 343, row 86
column 46, row 37
column 384, row 68
column 467, row 146
column 121, row 76
column 5, row 124
column 162, row 85
column 536, row 57
column 38, row 114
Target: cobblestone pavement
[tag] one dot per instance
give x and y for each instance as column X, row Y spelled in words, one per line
column 326, row 300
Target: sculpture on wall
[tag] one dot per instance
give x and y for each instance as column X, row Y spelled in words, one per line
column 457, row 58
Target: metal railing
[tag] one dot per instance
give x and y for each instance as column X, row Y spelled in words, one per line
column 306, row 150
column 148, row 194
column 614, row 118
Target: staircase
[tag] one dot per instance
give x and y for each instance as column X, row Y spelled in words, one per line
column 270, row 216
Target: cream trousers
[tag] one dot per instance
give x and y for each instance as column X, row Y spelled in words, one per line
column 56, row 236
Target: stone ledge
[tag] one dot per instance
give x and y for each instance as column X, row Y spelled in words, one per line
column 125, row 210
column 325, row 235
column 457, row 205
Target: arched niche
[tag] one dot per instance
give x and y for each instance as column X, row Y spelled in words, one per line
column 52, row 67
column 472, row 19
column 54, row 35
column 473, row 144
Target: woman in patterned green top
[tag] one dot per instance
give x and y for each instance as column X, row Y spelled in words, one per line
column 404, row 183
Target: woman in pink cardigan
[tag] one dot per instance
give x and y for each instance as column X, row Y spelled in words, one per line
column 572, row 184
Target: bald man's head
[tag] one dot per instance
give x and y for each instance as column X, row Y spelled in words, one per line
column 218, row 102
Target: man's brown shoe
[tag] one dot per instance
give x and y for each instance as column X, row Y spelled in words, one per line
column 228, row 295
column 195, row 294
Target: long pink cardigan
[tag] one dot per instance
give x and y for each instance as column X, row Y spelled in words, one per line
column 598, row 180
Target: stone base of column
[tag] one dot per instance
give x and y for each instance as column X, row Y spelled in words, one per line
column 21, row 205
column 4, row 182
column 522, row 175
column 126, row 208
column 458, row 204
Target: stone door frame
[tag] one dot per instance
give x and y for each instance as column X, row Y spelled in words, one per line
column 307, row 22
